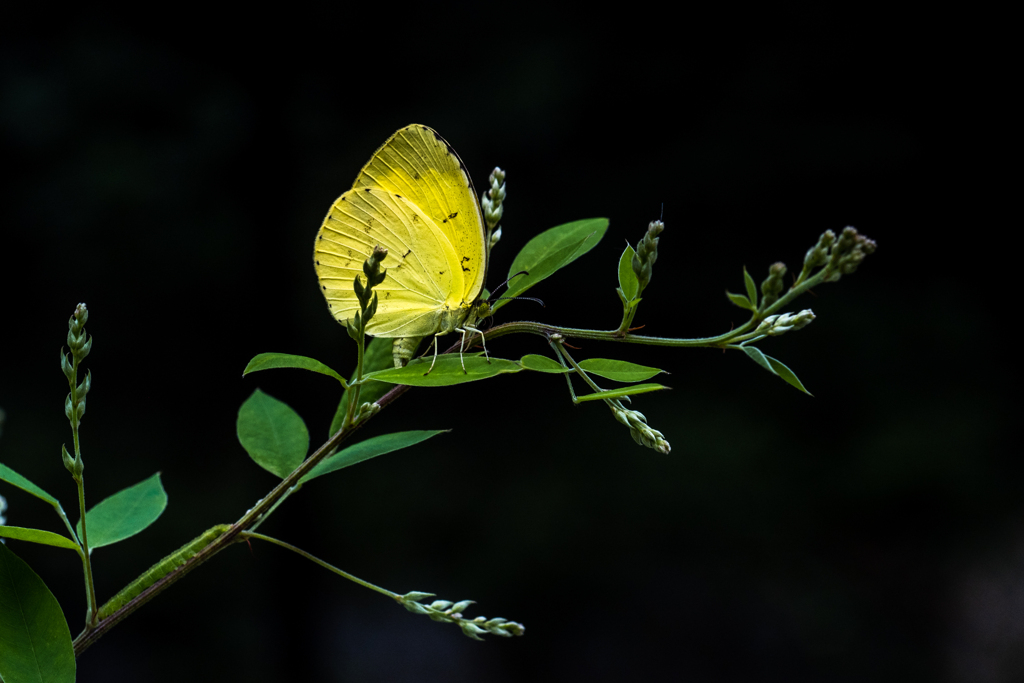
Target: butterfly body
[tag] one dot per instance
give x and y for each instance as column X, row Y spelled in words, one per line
column 414, row 198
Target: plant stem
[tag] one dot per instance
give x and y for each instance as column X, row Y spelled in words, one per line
column 325, row 565
column 90, row 588
column 284, row 488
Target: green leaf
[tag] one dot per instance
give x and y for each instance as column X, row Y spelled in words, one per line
column 377, row 356
column 740, row 300
column 628, row 283
column 775, row 367
column 619, row 393
column 269, row 361
column 618, row 370
column 125, row 513
column 35, row 642
column 551, row 250
column 37, row 536
column 273, row 434
column 15, row 479
column 371, row 448
column 751, row 288
column 532, row 361
column 447, row 371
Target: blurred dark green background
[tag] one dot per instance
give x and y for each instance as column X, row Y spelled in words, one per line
column 173, row 176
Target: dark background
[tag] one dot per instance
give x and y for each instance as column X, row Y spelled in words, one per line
column 172, row 175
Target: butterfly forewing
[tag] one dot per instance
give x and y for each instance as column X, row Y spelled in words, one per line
column 420, row 165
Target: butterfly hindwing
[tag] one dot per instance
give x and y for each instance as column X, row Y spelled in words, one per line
column 422, row 266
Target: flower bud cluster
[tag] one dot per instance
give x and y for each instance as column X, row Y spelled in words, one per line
column 774, row 325
column 81, row 345
column 839, row 255
column 646, row 254
column 638, row 429
column 491, row 201
column 74, row 404
column 366, row 411
column 364, row 293
column 849, row 251
column 773, row 284
column 447, row 611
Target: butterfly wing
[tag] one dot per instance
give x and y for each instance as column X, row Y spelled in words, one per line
column 420, row 165
column 423, row 267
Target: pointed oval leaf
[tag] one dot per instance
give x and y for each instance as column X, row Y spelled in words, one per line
column 619, row 393
column 537, row 363
column 751, row 288
column 273, row 434
column 35, row 642
column 447, row 371
column 371, row 448
column 269, row 361
column 775, row 367
column 755, row 355
column 125, row 513
column 15, row 479
column 619, row 370
column 628, row 283
column 551, row 250
column 785, row 373
column 37, row 536
column 739, row 300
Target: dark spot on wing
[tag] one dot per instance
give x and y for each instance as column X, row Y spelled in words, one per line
column 318, row 262
column 343, row 198
column 398, row 195
column 416, row 175
column 440, row 272
column 406, row 253
column 367, row 189
column 453, row 214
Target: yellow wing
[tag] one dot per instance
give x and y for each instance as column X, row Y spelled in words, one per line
column 420, row 165
column 415, row 199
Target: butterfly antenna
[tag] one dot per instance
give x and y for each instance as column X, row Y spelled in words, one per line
column 522, row 272
column 513, row 298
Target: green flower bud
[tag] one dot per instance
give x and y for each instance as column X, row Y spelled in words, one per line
column 69, row 462
column 66, row 366
column 461, row 606
column 773, row 284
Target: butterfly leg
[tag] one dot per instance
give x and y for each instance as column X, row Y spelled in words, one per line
column 434, row 342
column 461, row 347
column 483, row 342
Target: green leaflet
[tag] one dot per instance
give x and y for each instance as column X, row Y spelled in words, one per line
column 36, row 649
column 37, row 536
column 273, row 434
column 125, row 513
column 269, row 361
column 447, row 371
column 550, row 251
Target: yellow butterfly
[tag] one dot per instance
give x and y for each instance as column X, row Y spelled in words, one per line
column 414, row 198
